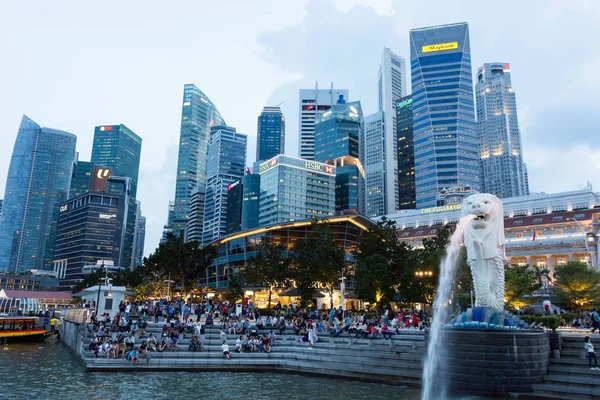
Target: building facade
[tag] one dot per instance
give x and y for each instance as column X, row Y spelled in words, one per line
column 168, row 228
column 294, row 189
column 314, row 102
column 250, row 201
column 198, row 114
column 81, row 180
column 337, row 135
column 406, row 154
column 119, row 148
column 542, row 230
column 391, row 87
column 444, row 128
column 271, row 133
column 500, row 152
column 193, row 228
column 139, row 237
column 234, row 207
column 39, row 179
column 226, row 165
column 372, row 144
column 91, row 227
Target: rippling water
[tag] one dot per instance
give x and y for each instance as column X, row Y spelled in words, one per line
column 49, row 371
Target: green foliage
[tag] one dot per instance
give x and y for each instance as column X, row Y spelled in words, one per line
column 575, row 286
column 122, row 278
column 236, row 291
column 270, row 267
column 463, row 282
column 318, row 261
column 549, row 321
column 518, row 282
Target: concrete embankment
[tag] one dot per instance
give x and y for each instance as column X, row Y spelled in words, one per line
column 395, row 361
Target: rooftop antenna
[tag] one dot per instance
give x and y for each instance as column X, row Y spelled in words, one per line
column 280, row 104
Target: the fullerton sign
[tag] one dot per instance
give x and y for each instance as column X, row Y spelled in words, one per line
column 449, row 207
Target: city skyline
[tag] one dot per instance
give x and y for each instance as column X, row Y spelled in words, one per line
column 543, row 110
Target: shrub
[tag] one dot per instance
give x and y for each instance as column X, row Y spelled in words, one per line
column 549, row 321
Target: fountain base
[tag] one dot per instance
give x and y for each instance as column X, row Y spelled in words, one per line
column 492, row 362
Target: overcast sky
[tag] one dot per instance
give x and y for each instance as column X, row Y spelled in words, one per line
column 74, row 65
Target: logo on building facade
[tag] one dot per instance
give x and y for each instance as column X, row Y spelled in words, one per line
column 402, row 104
column 100, row 177
column 267, row 165
column 439, row 47
column 317, row 166
column 449, row 207
column 64, row 208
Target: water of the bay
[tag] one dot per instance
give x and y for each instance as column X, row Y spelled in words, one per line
column 50, row 371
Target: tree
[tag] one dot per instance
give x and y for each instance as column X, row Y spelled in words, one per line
column 575, row 285
column 270, row 267
column 236, row 291
column 318, row 261
column 518, row 282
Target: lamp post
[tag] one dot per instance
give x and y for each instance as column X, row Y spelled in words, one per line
column 168, row 282
column 587, row 248
column 100, row 286
column 342, row 289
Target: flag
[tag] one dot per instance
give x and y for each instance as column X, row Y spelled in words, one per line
column 534, row 236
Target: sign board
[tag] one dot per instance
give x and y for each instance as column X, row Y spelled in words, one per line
column 267, row 165
column 320, row 167
column 404, row 103
column 449, row 207
column 430, row 48
column 64, row 208
column 100, row 177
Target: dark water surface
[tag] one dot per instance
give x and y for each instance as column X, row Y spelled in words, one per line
column 50, row 371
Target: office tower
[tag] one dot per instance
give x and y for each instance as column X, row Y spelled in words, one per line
column 226, row 164
column 337, row 134
column 502, row 168
column 193, row 228
column 39, row 178
column 271, row 133
column 234, row 207
column 198, row 114
column 445, row 137
column 250, row 201
column 314, row 102
column 168, row 228
column 90, row 228
column 119, row 148
column 81, row 179
column 139, row 235
column 372, row 144
column 294, row 189
column 1, row 204
column 391, row 87
column 406, row 154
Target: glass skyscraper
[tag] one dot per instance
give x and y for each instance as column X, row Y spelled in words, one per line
column 294, row 189
column 226, row 164
column 337, row 134
column 406, row 154
column 445, row 133
column 82, row 178
column 198, row 114
column 250, row 201
column 372, row 145
column 39, row 178
column 271, row 133
column 503, row 172
column 119, row 148
column 234, row 207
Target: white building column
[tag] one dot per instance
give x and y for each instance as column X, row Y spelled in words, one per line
column 550, row 266
column 528, row 258
column 570, row 256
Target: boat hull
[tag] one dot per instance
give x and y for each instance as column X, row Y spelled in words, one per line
column 23, row 337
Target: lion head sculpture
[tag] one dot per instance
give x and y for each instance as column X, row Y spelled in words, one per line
column 485, row 232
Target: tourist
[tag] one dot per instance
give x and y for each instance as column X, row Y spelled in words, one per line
column 133, row 357
column 272, row 337
column 152, row 343
column 595, row 320
column 195, row 344
column 225, row 350
column 222, row 335
column 122, row 346
column 130, row 341
column 589, row 347
column 312, row 335
column 164, row 343
column 144, row 349
column 238, row 345
column 94, row 347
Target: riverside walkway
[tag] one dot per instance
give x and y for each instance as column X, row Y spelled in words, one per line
column 393, row 361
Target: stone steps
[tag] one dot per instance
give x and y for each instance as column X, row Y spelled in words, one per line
column 568, row 392
column 574, row 380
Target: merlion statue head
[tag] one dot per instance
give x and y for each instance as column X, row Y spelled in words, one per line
column 488, row 224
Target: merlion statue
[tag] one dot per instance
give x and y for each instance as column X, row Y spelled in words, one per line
column 484, row 240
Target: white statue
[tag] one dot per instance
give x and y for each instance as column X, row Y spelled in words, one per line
column 484, row 240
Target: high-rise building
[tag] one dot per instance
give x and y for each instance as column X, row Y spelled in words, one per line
column 1, row 204
column 90, row 228
column 406, row 154
column 198, row 114
column 391, row 87
column 226, row 165
column 38, row 181
column 445, row 133
column 139, row 236
column 372, row 145
column 502, row 169
column 294, row 189
column 234, row 207
column 337, row 134
column 168, row 228
column 271, row 133
column 81, row 179
column 119, row 148
column 250, row 201
column 314, row 102
column 193, row 228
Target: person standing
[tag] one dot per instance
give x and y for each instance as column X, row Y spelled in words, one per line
column 595, row 320
column 589, row 347
column 312, row 335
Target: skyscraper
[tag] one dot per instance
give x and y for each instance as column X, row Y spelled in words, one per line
column 337, row 134
column 39, row 178
column 198, row 114
column 81, row 179
column 250, row 201
column 445, row 137
column 234, row 207
column 391, row 87
column 119, row 148
column 406, row 154
column 372, row 145
column 139, row 235
column 168, row 228
column 314, row 102
column 271, row 133
column 226, row 165
column 503, row 172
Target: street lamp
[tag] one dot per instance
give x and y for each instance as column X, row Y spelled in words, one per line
column 168, row 282
column 342, row 289
column 100, row 286
column 585, row 237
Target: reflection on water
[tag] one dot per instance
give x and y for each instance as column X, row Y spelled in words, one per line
column 49, row 371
